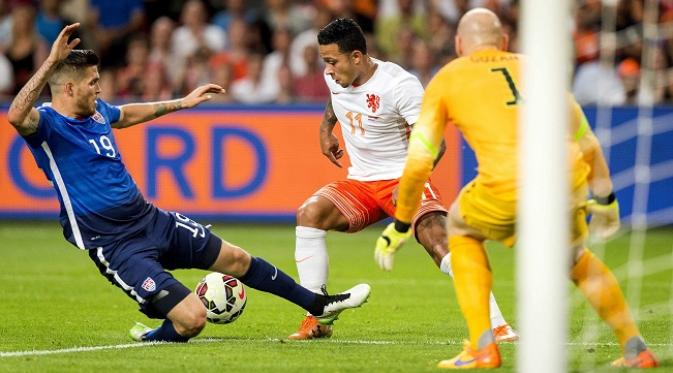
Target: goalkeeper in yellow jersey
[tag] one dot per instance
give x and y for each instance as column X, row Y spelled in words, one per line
column 479, row 93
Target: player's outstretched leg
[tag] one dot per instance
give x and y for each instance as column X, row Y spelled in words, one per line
column 432, row 235
column 600, row 287
column 261, row 275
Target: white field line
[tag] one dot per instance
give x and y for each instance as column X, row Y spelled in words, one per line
column 219, row 340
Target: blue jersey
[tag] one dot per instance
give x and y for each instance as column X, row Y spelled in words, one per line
column 100, row 202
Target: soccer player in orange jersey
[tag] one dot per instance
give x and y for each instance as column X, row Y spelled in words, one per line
column 479, row 93
column 376, row 103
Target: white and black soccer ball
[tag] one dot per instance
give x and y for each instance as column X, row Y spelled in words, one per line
column 224, row 297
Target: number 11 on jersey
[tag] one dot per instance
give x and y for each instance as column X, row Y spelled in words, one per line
column 355, row 117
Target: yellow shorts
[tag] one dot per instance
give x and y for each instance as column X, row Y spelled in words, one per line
column 495, row 217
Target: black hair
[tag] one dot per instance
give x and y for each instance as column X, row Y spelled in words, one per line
column 78, row 59
column 345, row 33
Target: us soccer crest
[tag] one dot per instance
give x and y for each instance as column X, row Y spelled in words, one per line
column 98, row 117
column 149, row 285
column 373, row 102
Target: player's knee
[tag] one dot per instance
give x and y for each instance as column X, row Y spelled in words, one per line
column 192, row 322
column 431, row 230
column 232, row 260
column 309, row 214
column 240, row 261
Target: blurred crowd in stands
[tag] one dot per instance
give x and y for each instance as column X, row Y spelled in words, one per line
column 265, row 51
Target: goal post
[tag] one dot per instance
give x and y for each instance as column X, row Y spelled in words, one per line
column 543, row 253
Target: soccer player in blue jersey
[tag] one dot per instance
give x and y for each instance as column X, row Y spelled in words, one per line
column 102, row 211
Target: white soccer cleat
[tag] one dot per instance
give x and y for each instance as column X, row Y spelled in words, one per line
column 138, row 332
column 351, row 298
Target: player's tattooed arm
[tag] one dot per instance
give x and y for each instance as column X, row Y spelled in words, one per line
column 132, row 114
column 21, row 114
column 329, row 144
column 329, row 119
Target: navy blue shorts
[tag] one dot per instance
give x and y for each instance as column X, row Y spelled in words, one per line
column 138, row 264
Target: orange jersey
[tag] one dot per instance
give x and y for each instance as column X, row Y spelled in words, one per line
column 480, row 94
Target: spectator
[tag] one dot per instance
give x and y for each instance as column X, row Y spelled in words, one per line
column 388, row 29
column 223, row 76
column 284, row 14
column 49, row 20
column 197, row 70
column 156, row 86
column 161, row 50
column 405, row 47
column 422, row 63
column 6, row 78
column 251, row 90
column 132, row 78
column 598, row 84
column 364, row 13
column 5, row 25
column 234, row 9
column 114, row 21
column 236, row 55
column 26, row 49
column 629, row 71
column 311, row 86
column 278, row 58
column 285, row 82
column 308, row 37
column 441, row 32
column 196, row 33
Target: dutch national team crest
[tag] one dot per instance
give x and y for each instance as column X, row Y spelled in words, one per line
column 149, row 285
column 373, row 102
column 98, row 117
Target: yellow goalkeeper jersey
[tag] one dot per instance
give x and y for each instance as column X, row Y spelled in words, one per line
column 479, row 94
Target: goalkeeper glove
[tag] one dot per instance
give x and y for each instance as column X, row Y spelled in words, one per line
column 604, row 216
column 387, row 245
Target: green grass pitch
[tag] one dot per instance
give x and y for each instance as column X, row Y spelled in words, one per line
column 52, row 298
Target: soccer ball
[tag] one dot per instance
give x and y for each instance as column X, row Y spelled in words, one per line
column 224, row 297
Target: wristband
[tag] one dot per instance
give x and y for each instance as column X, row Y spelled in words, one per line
column 605, row 200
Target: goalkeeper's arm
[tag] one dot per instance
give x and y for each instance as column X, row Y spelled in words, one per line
column 603, row 206
column 599, row 176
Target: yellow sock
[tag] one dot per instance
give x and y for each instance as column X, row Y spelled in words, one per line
column 472, row 280
column 601, row 289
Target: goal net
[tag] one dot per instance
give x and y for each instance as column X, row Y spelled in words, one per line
column 635, row 41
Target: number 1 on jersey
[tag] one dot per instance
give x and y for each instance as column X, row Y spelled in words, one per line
column 510, row 82
column 358, row 118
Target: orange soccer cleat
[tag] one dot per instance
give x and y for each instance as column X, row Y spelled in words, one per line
column 311, row 328
column 505, row 333
column 485, row 358
column 645, row 359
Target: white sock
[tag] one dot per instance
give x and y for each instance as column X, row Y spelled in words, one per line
column 311, row 257
column 496, row 316
column 445, row 265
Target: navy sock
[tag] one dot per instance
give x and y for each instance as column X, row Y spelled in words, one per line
column 166, row 333
column 266, row 277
